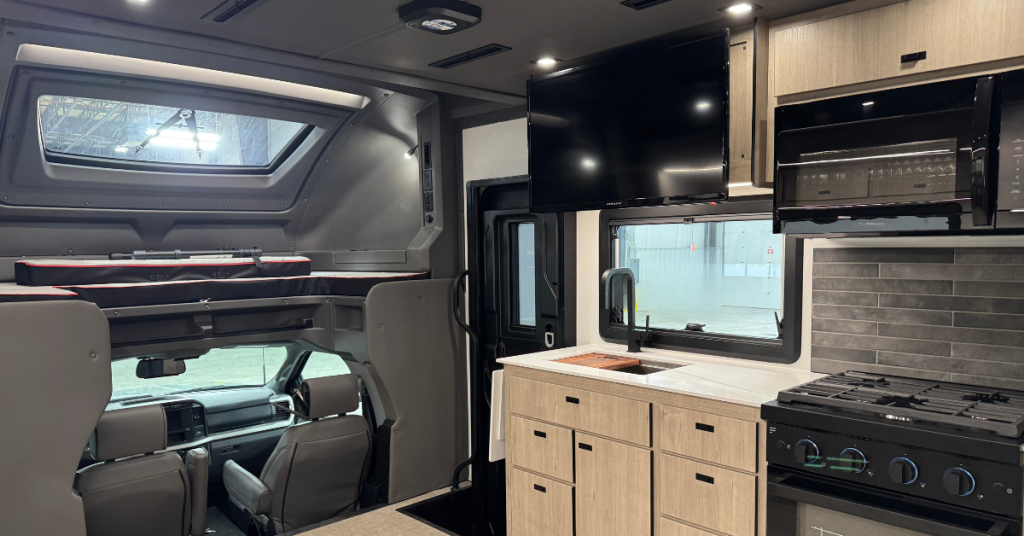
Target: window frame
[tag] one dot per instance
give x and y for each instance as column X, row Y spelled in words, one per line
column 37, row 177
column 782, row 351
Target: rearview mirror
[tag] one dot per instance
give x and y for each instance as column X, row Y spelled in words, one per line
column 159, row 368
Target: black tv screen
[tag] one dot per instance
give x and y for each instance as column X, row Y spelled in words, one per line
column 648, row 129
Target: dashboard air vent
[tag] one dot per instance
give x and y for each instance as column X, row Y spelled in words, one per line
column 280, row 415
column 472, row 55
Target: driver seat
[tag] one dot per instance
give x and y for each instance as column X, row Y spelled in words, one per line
column 135, row 491
column 317, row 470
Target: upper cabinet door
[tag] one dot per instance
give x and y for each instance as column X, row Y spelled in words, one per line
column 874, row 44
column 989, row 30
column 741, row 107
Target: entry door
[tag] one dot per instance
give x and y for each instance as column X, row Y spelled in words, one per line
column 521, row 300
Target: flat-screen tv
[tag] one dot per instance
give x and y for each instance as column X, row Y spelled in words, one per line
column 650, row 128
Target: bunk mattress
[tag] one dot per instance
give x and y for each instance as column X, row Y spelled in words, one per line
column 176, row 292
column 64, row 272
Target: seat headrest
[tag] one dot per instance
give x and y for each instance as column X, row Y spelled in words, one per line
column 127, row 432
column 331, row 395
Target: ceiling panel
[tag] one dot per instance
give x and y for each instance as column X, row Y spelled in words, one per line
column 367, row 32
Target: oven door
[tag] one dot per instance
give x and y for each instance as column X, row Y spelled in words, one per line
column 903, row 153
column 807, row 505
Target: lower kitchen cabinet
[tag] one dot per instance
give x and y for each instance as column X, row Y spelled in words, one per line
column 538, row 506
column 708, row 496
column 588, row 457
column 613, row 488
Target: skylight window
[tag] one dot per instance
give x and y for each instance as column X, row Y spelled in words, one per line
column 133, row 132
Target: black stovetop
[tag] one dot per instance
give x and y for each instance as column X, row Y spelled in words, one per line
column 899, row 399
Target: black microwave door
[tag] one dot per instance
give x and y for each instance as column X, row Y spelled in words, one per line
column 905, row 151
column 1011, row 152
column 878, row 162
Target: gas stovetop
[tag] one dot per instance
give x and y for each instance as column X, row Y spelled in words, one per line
column 910, row 400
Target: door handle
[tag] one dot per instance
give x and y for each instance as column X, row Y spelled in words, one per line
column 705, row 428
column 706, row 478
column 540, row 434
column 586, row 447
column 983, row 184
column 549, row 339
column 572, row 400
column 916, row 56
column 540, row 488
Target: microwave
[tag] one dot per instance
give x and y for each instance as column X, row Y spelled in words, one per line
column 943, row 157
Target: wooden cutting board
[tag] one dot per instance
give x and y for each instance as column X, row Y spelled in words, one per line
column 600, row 361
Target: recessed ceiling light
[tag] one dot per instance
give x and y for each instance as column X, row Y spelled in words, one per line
column 869, row 103
column 440, row 25
column 741, row 8
column 546, row 62
column 703, row 105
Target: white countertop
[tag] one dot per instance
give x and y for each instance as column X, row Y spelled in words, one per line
column 739, row 381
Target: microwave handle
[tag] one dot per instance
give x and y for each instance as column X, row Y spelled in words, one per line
column 778, row 488
column 983, row 180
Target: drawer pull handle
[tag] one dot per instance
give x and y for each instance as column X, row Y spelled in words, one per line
column 585, row 446
column 916, row 56
column 572, row 400
column 706, row 428
column 540, row 434
column 540, row 488
column 706, row 478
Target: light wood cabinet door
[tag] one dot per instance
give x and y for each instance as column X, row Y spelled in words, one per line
column 720, row 440
column 989, row 30
column 539, row 447
column 613, row 488
column 721, row 500
column 672, row 528
column 605, row 415
column 741, row 108
column 538, row 506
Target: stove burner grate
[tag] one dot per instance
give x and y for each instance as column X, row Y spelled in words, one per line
column 907, row 399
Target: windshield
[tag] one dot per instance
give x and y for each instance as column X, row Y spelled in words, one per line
column 222, row 367
column 117, row 130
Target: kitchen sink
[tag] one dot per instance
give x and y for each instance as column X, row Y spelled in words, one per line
column 649, row 367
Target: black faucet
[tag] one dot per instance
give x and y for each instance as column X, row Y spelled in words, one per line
column 634, row 338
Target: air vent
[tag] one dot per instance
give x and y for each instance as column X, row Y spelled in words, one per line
column 426, row 157
column 279, row 414
column 232, row 10
column 642, row 4
column 472, row 55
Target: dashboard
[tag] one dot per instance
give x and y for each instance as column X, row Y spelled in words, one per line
column 215, row 417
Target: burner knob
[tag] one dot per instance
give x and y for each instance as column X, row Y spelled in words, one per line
column 902, row 471
column 958, row 481
column 807, row 453
column 852, row 460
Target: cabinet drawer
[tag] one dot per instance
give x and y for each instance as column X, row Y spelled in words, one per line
column 539, row 447
column 538, row 506
column 711, row 438
column 719, row 499
column 673, row 528
column 605, row 415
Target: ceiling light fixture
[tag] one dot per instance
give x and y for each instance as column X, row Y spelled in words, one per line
column 869, row 104
column 546, row 62
column 703, row 105
column 741, row 8
column 443, row 17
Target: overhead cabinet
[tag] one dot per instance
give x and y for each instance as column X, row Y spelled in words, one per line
column 900, row 39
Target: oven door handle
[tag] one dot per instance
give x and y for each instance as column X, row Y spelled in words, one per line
column 778, row 488
column 983, row 180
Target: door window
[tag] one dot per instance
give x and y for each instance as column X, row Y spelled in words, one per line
column 524, row 274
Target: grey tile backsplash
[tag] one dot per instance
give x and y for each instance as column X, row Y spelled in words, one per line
column 951, row 314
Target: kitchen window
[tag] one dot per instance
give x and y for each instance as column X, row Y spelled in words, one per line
column 118, row 131
column 710, row 278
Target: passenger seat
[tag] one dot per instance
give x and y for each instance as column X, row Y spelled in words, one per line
column 317, row 469
column 136, row 492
